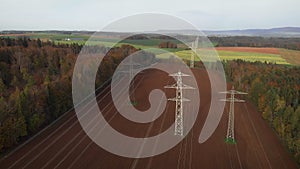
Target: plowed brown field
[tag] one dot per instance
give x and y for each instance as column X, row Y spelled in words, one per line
column 65, row 145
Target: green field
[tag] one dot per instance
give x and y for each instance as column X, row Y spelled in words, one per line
column 233, row 55
column 252, row 57
column 150, row 45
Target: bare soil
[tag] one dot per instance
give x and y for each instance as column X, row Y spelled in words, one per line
column 65, row 145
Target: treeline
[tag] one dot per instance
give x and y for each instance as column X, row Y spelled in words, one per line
column 247, row 41
column 35, row 86
column 35, row 83
column 47, row 32
column 275, row 90
column 167, row 45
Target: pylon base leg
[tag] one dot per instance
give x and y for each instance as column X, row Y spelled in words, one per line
column 230, row 140
column 134, row 103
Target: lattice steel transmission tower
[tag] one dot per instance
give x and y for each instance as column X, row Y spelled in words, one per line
column 133, row 68
column 230, row 126
column 179, row 99
column 194, row 48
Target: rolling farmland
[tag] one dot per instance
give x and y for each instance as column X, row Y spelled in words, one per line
column 190, row 85
column 252, row 54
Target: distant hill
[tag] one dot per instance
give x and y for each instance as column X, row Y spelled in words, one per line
column 274, row 32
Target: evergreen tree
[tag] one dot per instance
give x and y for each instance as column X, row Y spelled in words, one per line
column 39, row 43
column 295, row 120
column 2, row 87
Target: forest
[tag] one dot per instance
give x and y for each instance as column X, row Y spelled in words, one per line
column 275, row 91
column 35, row 84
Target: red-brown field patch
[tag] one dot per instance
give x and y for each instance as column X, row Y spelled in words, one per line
column 250, row 49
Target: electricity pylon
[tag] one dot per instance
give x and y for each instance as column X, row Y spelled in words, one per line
column 179, row 99
column 230, row 126
column 132, row 69
column 194, row 48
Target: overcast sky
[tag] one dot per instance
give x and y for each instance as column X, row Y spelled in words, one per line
column 95, row 14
